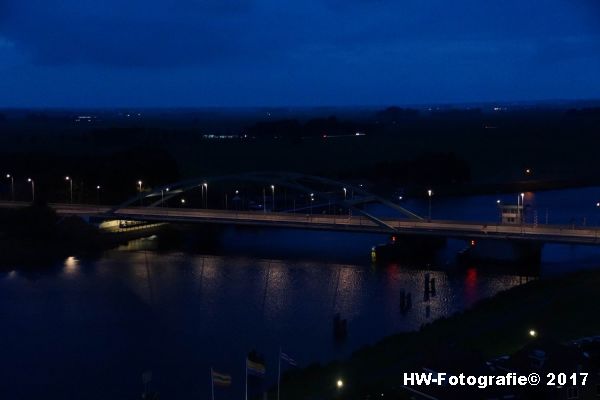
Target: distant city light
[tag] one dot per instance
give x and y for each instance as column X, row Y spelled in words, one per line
column 340, row 383
column 532, row 333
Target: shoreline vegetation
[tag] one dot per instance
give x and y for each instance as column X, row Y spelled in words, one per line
column 559, row 309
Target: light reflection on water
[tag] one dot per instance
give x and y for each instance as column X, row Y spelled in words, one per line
column 177, row 314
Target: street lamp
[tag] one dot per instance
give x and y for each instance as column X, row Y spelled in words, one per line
column 498, row 202
column 205, row 185
column 182, row 202
column 12, row 185
column 140, row 190
column 273, row 194
column 32, row 189
column 345, row 193
column 71, row 187
column 98, row 187
column 429, row 194
column 339, row 383
column 162, row 196
column 522, row 206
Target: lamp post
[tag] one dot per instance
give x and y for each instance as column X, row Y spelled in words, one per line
column 312, row 199
column 498, row 202
column 98, row 187
column 12, row 186
column 522, row 206
column 429, row 194
column 162, row 196
column 32, row 189
column 273, row 194
column 70, row 181
column 345, row 193
column 140, row 190
column 205, row 185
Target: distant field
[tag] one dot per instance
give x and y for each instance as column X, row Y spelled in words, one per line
column 498, row 147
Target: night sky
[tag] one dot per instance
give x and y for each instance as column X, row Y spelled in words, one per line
column 90, row 53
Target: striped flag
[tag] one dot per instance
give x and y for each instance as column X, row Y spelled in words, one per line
column 220, row 379
column 289, row 360
column 255, row 368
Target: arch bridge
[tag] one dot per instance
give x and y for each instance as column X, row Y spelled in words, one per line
column 315, row 189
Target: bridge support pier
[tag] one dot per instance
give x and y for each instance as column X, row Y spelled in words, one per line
column 406, row 248
column 502, row 252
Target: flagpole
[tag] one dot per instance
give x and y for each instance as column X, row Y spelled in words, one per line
column 278, row 372
column 212, row 384
column 246, row 369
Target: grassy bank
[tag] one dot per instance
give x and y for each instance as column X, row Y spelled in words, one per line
column 559, row 309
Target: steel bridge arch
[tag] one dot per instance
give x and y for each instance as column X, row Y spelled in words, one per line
column 290, row 180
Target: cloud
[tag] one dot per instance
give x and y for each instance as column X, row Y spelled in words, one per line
column 307, row 50
column 204, row 32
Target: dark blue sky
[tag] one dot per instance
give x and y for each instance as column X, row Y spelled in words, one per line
column 277, row 52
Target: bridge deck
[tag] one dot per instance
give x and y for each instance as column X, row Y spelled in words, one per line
column 456, row 229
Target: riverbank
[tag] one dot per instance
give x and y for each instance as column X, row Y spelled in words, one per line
column 35, row 234
column 557, row 309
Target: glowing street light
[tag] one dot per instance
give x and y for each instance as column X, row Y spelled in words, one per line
column 70, row 181
column 339, row 383
column 140, row 190
column 273, row 195
column 205, row 186
column 32, row 189
column 429, row 194
column 12, row 185
column 533, row 333
column 345, row 193
column 522, row 205
column 182, row 202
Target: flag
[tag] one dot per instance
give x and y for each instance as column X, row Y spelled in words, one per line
column 220, row 379
column 255, row 368
column 289, row 360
